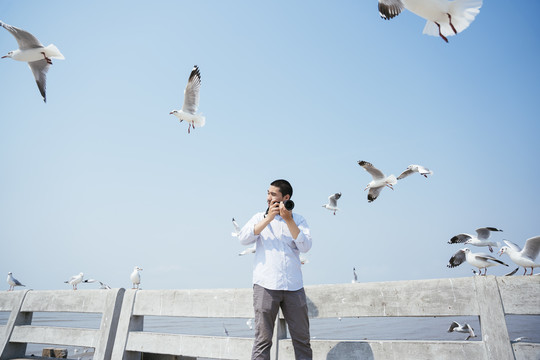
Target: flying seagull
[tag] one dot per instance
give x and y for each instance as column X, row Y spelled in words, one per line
column 74, row 280
column 332, row 202
column 102, row 285
column 444, row 17
column 481, row 239
column 191, row 101
column 379, row 180
column 34, row 53
column 523, row 257
column 481, row 261
column 236, row 228
column 465, row 328
column 136, row 277
column 13, row 282
column 411, row 169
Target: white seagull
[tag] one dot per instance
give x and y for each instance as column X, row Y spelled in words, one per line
column 34, row 53
column 250, row 250
column 102, row 285
column 332, row 202
column 480, row 240
column 12, row 281
column 136, row 277
column 523, row 257
column 355, row 277
column 74, row 280
column 444, row 17
column 465, row 328
column 411, row 169
column 191, row 101
column 379, row 180
column 481, row 261
column 236, row 228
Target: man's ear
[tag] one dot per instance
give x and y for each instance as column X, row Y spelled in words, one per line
column 286, row 197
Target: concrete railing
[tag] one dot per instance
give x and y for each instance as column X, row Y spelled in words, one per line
column 490, row 298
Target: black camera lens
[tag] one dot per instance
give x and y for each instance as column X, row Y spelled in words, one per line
column 289, row 204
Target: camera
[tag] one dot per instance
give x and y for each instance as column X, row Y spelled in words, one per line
column 289, row 204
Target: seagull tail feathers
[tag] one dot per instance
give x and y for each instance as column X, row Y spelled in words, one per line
column 53, row 52
column 463, row 13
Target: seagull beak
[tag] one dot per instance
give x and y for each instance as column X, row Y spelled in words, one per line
column 171, row 113
column 3, row 57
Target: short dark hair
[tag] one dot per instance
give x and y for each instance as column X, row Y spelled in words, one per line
column 284, row 186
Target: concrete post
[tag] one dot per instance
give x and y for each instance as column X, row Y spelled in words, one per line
column 11, row 350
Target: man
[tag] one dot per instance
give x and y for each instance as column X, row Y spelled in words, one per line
column 280, row 237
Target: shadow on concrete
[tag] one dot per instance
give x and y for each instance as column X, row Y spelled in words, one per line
column 351, row 350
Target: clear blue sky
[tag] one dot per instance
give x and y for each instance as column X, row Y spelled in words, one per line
column 102, row 178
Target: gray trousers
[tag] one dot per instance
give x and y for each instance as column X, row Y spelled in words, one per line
column 294, row 307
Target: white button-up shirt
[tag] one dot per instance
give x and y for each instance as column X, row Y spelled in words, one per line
column 277, row 257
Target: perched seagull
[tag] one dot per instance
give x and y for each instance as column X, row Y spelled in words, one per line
column 249, row 323
column 480, row 240
column 236, row 228
column 136, row 277
column 74, row 280
column 481, row 261
column 102, row 285
column 34, row 53
column 12, row 281
column 465, row 328
column 523, row 257
column 444, row 17
column 332, row 202
column 411, row 169
column 250, row 250
column 355, row 277
column 379, row 180
column 191, row 101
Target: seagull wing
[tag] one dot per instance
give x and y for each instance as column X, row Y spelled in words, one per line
column 512, row 272
column 191, row 93
column 458, row 259
column 512, row 245
column 453, row 326
column 17, row 282
column 459, row 238
column 483, row 233
column 24, row 38
column 488, row 258
column 332, row 199
column 374, row 193
column 375, row 173
column 471, row 331
column 405, row 174
column 236, row 226
column 39, row 69
column 390, row 8
column 532, row 247
column 424, row 171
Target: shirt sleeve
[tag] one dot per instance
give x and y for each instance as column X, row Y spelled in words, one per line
column 303, row 240
column 247, row 235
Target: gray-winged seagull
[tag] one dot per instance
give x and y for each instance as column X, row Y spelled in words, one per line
column 411, row 169
column 101, row 285
column 523, row 257
column 136, row 277
column 481, row 239
column 332, row 202
column 465, row 328
column 379, row 180
column 481, row 261
column 191, row 101
column 12, row 281
column 444, row 17
column 34, row 53
column 74, row 280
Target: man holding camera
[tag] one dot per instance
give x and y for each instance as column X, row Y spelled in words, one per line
column 280, row 237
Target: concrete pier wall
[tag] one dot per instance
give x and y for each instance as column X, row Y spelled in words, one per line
column 122, row 336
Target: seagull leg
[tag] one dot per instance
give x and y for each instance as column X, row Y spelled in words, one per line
column 451, row 25
column 49, row 61
column 441, row 35
column 389, row 186
column 525, row 272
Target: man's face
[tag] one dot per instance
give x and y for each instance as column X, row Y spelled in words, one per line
column 275, row 195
